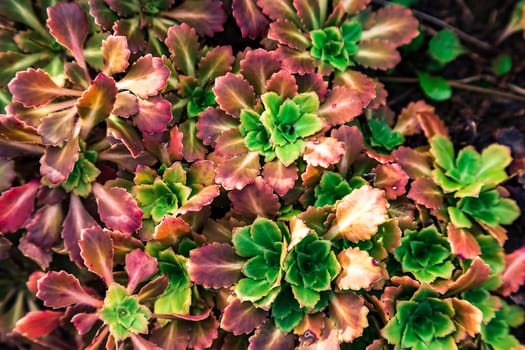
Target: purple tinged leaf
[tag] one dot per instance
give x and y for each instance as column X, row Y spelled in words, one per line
column 357, row 81
column 60, row 289
column 154, row 115
column 58, row 162
column 131, row 29
column 218, row 61
column 123, row 9
column 140, row 343
column 256, row 199
column 36, row 324
column 139, row 266
column 413, row 163
column 76, row 220
column 115, row 54
column 174, row 335
column 15, row 130
column 16, row 206
column 258, row 66
column 201, row 174
column 96, row 248
column 269, row 337
column 120, row 155
column 56, row 127
column 230, row 144
column 123, row 131
column 392, row 179
column 96, row 103
column 84, row 322
column 192, row 147
column 34, row 252
column 281, row 178
column 175, row 145
column 102, row 14
column 311, row 13
column 7, row 173
column 377, row 54
column 251, row 21
column 126, row 104
column 425, row 192
column 233, row 93
column 462, row 242
column 282, row 83
column 237, row 172
column 394, row 24
column 313, row 83
column 349, row 315
column 215, row 265
column 242, row 317
column 287, row 33
column 153, row 289
column 34, row 88
column 170, row 230
column 200, row 200
column 117, row 208
column 341, row 106
column 43, row 229
column 146, row 77
column 297, row 61
column 353, row 6
column 279, row 10
column 323, row 151
column 183, row 43
column 68, row 24
column 212, row 123
column 206, row 16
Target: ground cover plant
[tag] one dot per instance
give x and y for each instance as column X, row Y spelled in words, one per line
column 168, row 186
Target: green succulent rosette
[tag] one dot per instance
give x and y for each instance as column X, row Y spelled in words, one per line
column 310, row 268
column 426, row 254
column 421, row 323
column 123, row 313
column 83, row 174
column 281, row 129
column 331, row 188
column 263, row 243
column 336, row 45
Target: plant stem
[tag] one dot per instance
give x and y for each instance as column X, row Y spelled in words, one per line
column 458, row 85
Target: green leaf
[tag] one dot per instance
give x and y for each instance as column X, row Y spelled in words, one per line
column 252, row 290
column 308, row 102
column 445, row 46
column 256, row 268
column 383, row 135
column 287, row 154
column 436, row 88
column 307, row 125
column 459, row 219
column 501, row 64
column 306, row 297
column 244, row 245
column 442, row 150
column 494, row 159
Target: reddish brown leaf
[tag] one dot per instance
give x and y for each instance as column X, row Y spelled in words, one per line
column 323, row 151
column 256, row 199
column 96, row 249
column 139, row 266
column 258, row 66
column 341, row 106
column 192, row 147
column 212, row 123
column 218, row 61
column 514, row 274
column 349, row 314
column 296, row 61
column 154, row 115
column 37, row 324
column 281, row 178
column 377, row 54
column 146, row 77
column 60, row 289
column 242, row 317
column 175, row 145
column 463, row 243
column 432, row 125
column 391, row 178
column 206, row 16
column 130, row 28
column 287, row 33
column 230, row 144
column 353, row 6
column 353, row 141
column 14, row 130
column 117, row 209
column 407, row 121
column 126, row 104
column 58, row 162
column 357, row 81
column 467, row 316
column 269, row 337
column 477, row 273
column 199, row 200
column 282, row 83
column 115, row 54
column 140, row 343
column 16, row 206
column 233, row 93
column 359, row 270
column 57, row 127
column 215, row 265
column 249, row 18
column 413, row 163
column 43, row 229
column 122, row 130
column 237, row 172
column 394, row 24
column 170, row 230
column 84, row 322
column 425, row 192
column 183, row 43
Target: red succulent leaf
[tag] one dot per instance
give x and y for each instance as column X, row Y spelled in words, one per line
column 126, row 104
column 230, row 144
column 279, row 10
column 60, row 289
column 56, row 127
column 123, row 9
column 115, row 54
column 77, row 219
column 96, row 249
column 34, row 87
column 7, row 173
column 170, row 230
column 154, row 115
column 312, row 83
column 16, row 206
column 215, row 265
column 43, row 229
column 242, row 317
column 96, row 103
column 102, row 14
column 201, row 174
column 237, row 172
column 221, row 230
column 287, row 33
column 377, row 54
column 117, row 208
column 269, row 337
column 140, row 343
column 323, row 151
column 462, row 243
column 131, row 29
column 282, row 83
column 310, row 328
column 325, row 339
column 175, row 145
column 467, row 316
column 353, row 142
column 256, row 199
column 33, row 251
column 280, row 177
column 174, row 335
column 68, row 24
column 58, row 162
column 183, row 43
column 233, row 93
column 201, row 199
column 391, row 178
column 218, row 61
column 297, row 61
column 84, row 322
column 37, row 324
column 341, row 106
column 206, row 16
column 432, row 125
column 212, row 123
column 477, row 273
column 380, row 95
column 357, row 81
column 349, row 314
column 394, row 24
column 251, row 21
column 153, row 289
column 14, row 130
column 309, row 11
column 258, row 66
column 123, row 131
column 413, row 163
column 146, row 77
column 203, row 333
column 425, row 192
column 514, row 274
column 76, row 74
column 408, row 122
column 139, row 266
column 353, row 6
column 192, row 147
column 32, row 280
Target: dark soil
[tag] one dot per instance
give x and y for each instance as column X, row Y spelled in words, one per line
column 472, row 117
